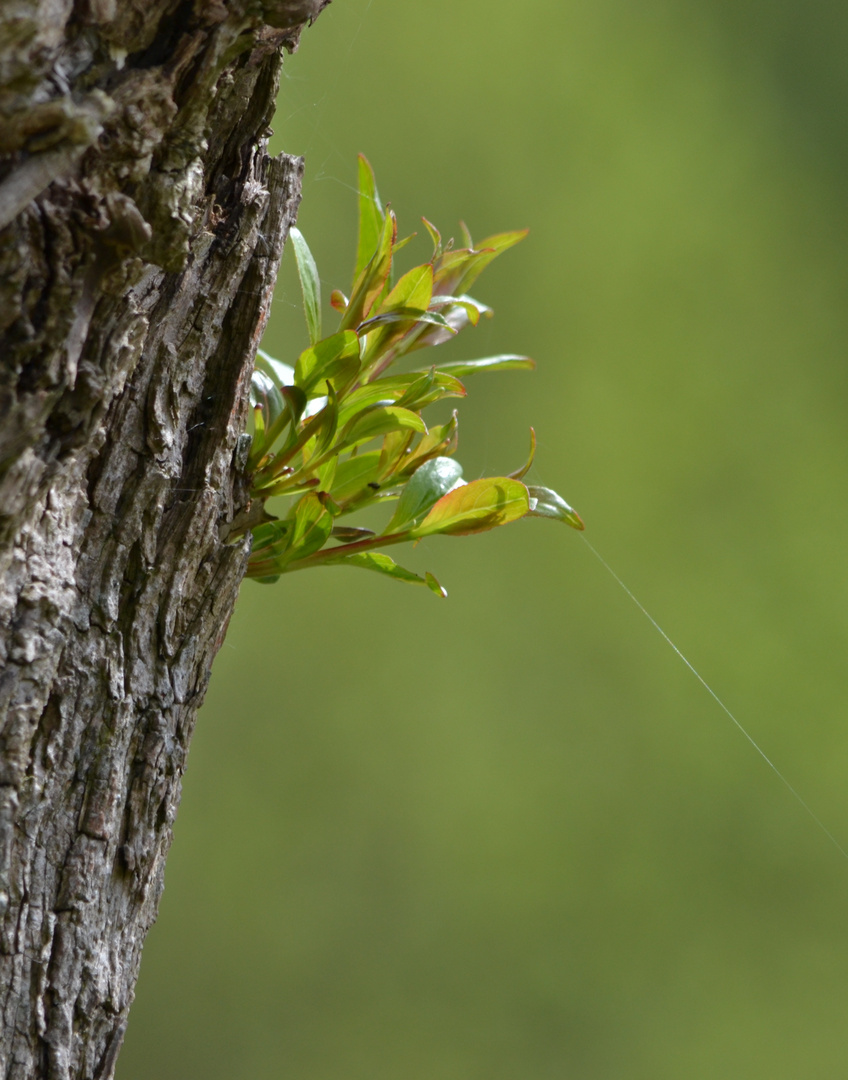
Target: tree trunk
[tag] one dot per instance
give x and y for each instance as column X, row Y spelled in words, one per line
column 141, row 227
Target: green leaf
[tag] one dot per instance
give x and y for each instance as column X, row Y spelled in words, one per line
column 475, row 507
column 353, row 474
column 456, row 271
column 351, row 533
column 504, row 362
column 434, row 586
column 294, row 402
column 525, row 468
column 379, row 421
column 401, row 389
column 412, row 291
column 312, row 526
column 270, row 538
column 326, row 474
column 329, row 417
column 409, row 315
column 440, row 439
column 383, row 564
column 373, row 277
column 310, row 284
column 435, row 236
column 265, row 396
column 335, row 357
column 394, row 451
column 546, row 503
column 322, row 427
column 425, row 487
column 457, row 311
column 282, row 374
column 403, row 309
column 371, row 216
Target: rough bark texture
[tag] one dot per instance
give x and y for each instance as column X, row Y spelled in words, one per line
column 141, row 226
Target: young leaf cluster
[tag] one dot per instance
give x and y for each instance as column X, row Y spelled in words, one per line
column 343, row 428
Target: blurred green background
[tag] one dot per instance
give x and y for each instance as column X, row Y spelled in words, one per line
column 509, row 835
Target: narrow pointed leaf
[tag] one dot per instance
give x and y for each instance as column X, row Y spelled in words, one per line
column 379, row 421
column 373, row 277
column 351, row 533
column 413, row 290
column 425, row 487
column 525, row 468
column 504, row 362
column 476, row 507
column 434, row 586
column 310, row 284
column 408, row 315
column 441, row 439
column 282, row 374
column 354, row 474
column 550, row 505
column 271, row 536
column 331, row 358
column 457, row 271
column 396, row 388
column 265, row 396
column 312, row 526
column 383, row 564
column 435, row 236
column 371, row 216
column 295, row 402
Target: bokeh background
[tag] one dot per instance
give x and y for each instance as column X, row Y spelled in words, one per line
column 508, row 835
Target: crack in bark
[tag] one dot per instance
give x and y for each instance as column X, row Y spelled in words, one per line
column 135, row 282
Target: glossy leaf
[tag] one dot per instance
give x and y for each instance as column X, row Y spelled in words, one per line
column 312, row 526
column 335, row 357
column 405, row 390
column 351, row 533
column 282, row 374
column 457, row 311
column 379, row 421
column 265, row 395
column 371, row 216
column 394, row 451
column 294, row 401
column 476, row 507
column 504, row 362
column 272, row 537
column 329, row 420
column 435, row 236
column 409, row 315
column 310, row 284
column 434, row 586
column 354, row 474
column 413, row 290
column 457, row 270
column 321, row 427
column 383, row 564
column 525, row 468
column 373, row 277
column 546, row 503
column 425, row 487
column 440, row 439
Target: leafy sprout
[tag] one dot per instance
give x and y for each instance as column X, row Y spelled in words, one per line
column 342, row 430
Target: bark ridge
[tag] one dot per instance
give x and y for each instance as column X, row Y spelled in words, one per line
column 141, row 227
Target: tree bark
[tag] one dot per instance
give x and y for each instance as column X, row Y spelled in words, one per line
column 141, row 227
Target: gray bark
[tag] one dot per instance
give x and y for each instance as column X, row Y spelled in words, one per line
column 141, row 227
